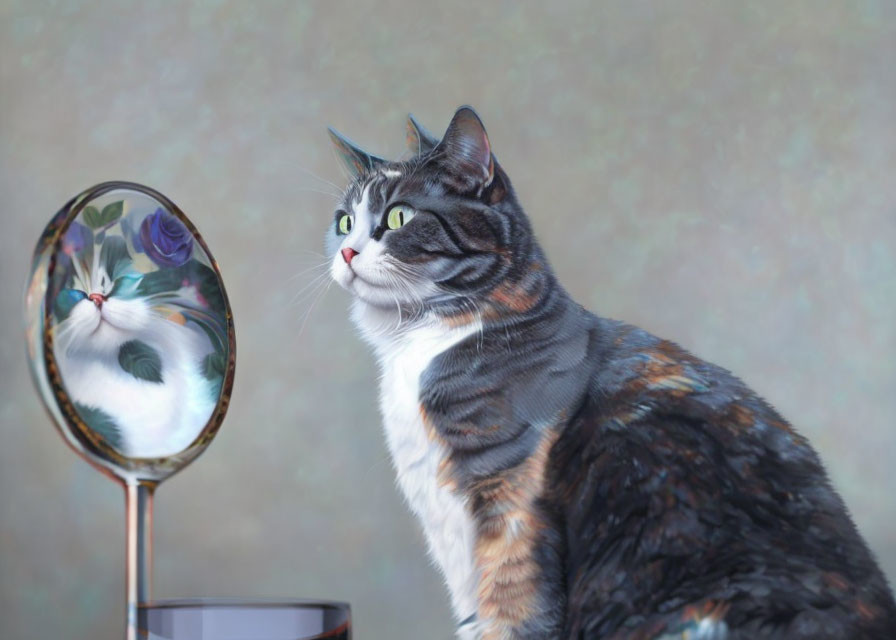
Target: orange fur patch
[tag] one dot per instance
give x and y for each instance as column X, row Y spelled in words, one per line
column 515, row 297
column 507, row 534
column 444, row 477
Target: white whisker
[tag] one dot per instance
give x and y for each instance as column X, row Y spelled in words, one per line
column 320, row 265
column 336, row 196
column 322, row 292
column 308, row 289
column 326, row 182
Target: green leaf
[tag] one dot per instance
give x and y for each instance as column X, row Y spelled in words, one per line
column 209, row 286
column 102, row 423
column 194, row 272
column 112, row 212
column 213, row 334
column 96, row 219
column 92, row 217
column 161, row 280
column 213, row 366
column 114, row 255
column 140, row 360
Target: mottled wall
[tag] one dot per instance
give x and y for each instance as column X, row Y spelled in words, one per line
column 720, row 173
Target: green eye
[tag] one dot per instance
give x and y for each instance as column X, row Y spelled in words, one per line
column 399, row 216
column 345, row 224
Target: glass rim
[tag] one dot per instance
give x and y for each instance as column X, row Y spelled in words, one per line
column 259, row 603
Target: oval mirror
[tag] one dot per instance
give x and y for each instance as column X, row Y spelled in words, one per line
column 129, row 331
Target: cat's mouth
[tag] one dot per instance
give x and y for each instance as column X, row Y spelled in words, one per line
column 347, row 279
column 358, row 285
column 99, row 324
column 366, row 290
column 354, row 275
column 104, row 320
column 409, row 298
column 379, row 285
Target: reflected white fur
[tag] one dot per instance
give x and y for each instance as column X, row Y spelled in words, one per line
column 155, row 419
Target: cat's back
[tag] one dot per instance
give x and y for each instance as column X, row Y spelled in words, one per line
column 687, row 501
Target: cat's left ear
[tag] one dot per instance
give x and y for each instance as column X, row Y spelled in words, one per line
column 355, row 159
column 467, row 151
column 419, row 139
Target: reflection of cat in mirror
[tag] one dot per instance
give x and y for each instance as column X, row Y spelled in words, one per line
column 133, row 372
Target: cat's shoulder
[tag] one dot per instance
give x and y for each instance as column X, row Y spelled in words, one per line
column 642, row 377
column 655, row 411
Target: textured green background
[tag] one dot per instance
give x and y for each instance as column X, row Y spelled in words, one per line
column 723, row 174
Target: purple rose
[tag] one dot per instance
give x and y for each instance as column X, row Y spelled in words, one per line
column 165, row 239
column 76, row 237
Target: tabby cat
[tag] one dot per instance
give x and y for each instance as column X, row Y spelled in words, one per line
column 576, row 477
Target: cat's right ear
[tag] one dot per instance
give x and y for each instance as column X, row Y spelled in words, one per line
column 355, row 159
column 466, row 153
column 418, row 139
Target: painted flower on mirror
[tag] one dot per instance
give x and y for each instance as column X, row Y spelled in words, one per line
column 131, row 232
column 76, row 237
column 166, row 240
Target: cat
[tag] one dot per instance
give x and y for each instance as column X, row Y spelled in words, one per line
column 134, row 374
column 576, row 477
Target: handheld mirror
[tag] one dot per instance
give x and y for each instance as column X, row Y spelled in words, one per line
column 131, row 345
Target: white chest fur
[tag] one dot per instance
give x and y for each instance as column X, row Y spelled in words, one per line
column 447, row 524
column 155, row 419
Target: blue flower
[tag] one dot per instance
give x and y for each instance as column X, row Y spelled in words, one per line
column 76, row 237
column 166, row 240
column 66, row 301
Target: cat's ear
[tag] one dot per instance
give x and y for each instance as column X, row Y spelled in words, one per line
column 355, row 159
column 467, row 152
column 419, row 139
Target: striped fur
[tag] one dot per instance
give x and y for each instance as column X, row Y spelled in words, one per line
column 577, row 477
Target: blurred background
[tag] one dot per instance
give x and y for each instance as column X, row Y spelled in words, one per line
column 721, row 174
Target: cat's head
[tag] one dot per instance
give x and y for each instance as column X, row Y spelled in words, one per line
column 99, row 309
column 436, row 232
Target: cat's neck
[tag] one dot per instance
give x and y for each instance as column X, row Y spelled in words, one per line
column 387, row 329
column 532, row 295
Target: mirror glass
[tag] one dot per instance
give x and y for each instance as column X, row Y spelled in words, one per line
column 130, row 331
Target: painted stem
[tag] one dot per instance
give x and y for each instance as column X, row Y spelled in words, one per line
column 138, row 549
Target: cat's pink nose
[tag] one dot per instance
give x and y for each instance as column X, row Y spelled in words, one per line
column 347, row 254
column 98, row 299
